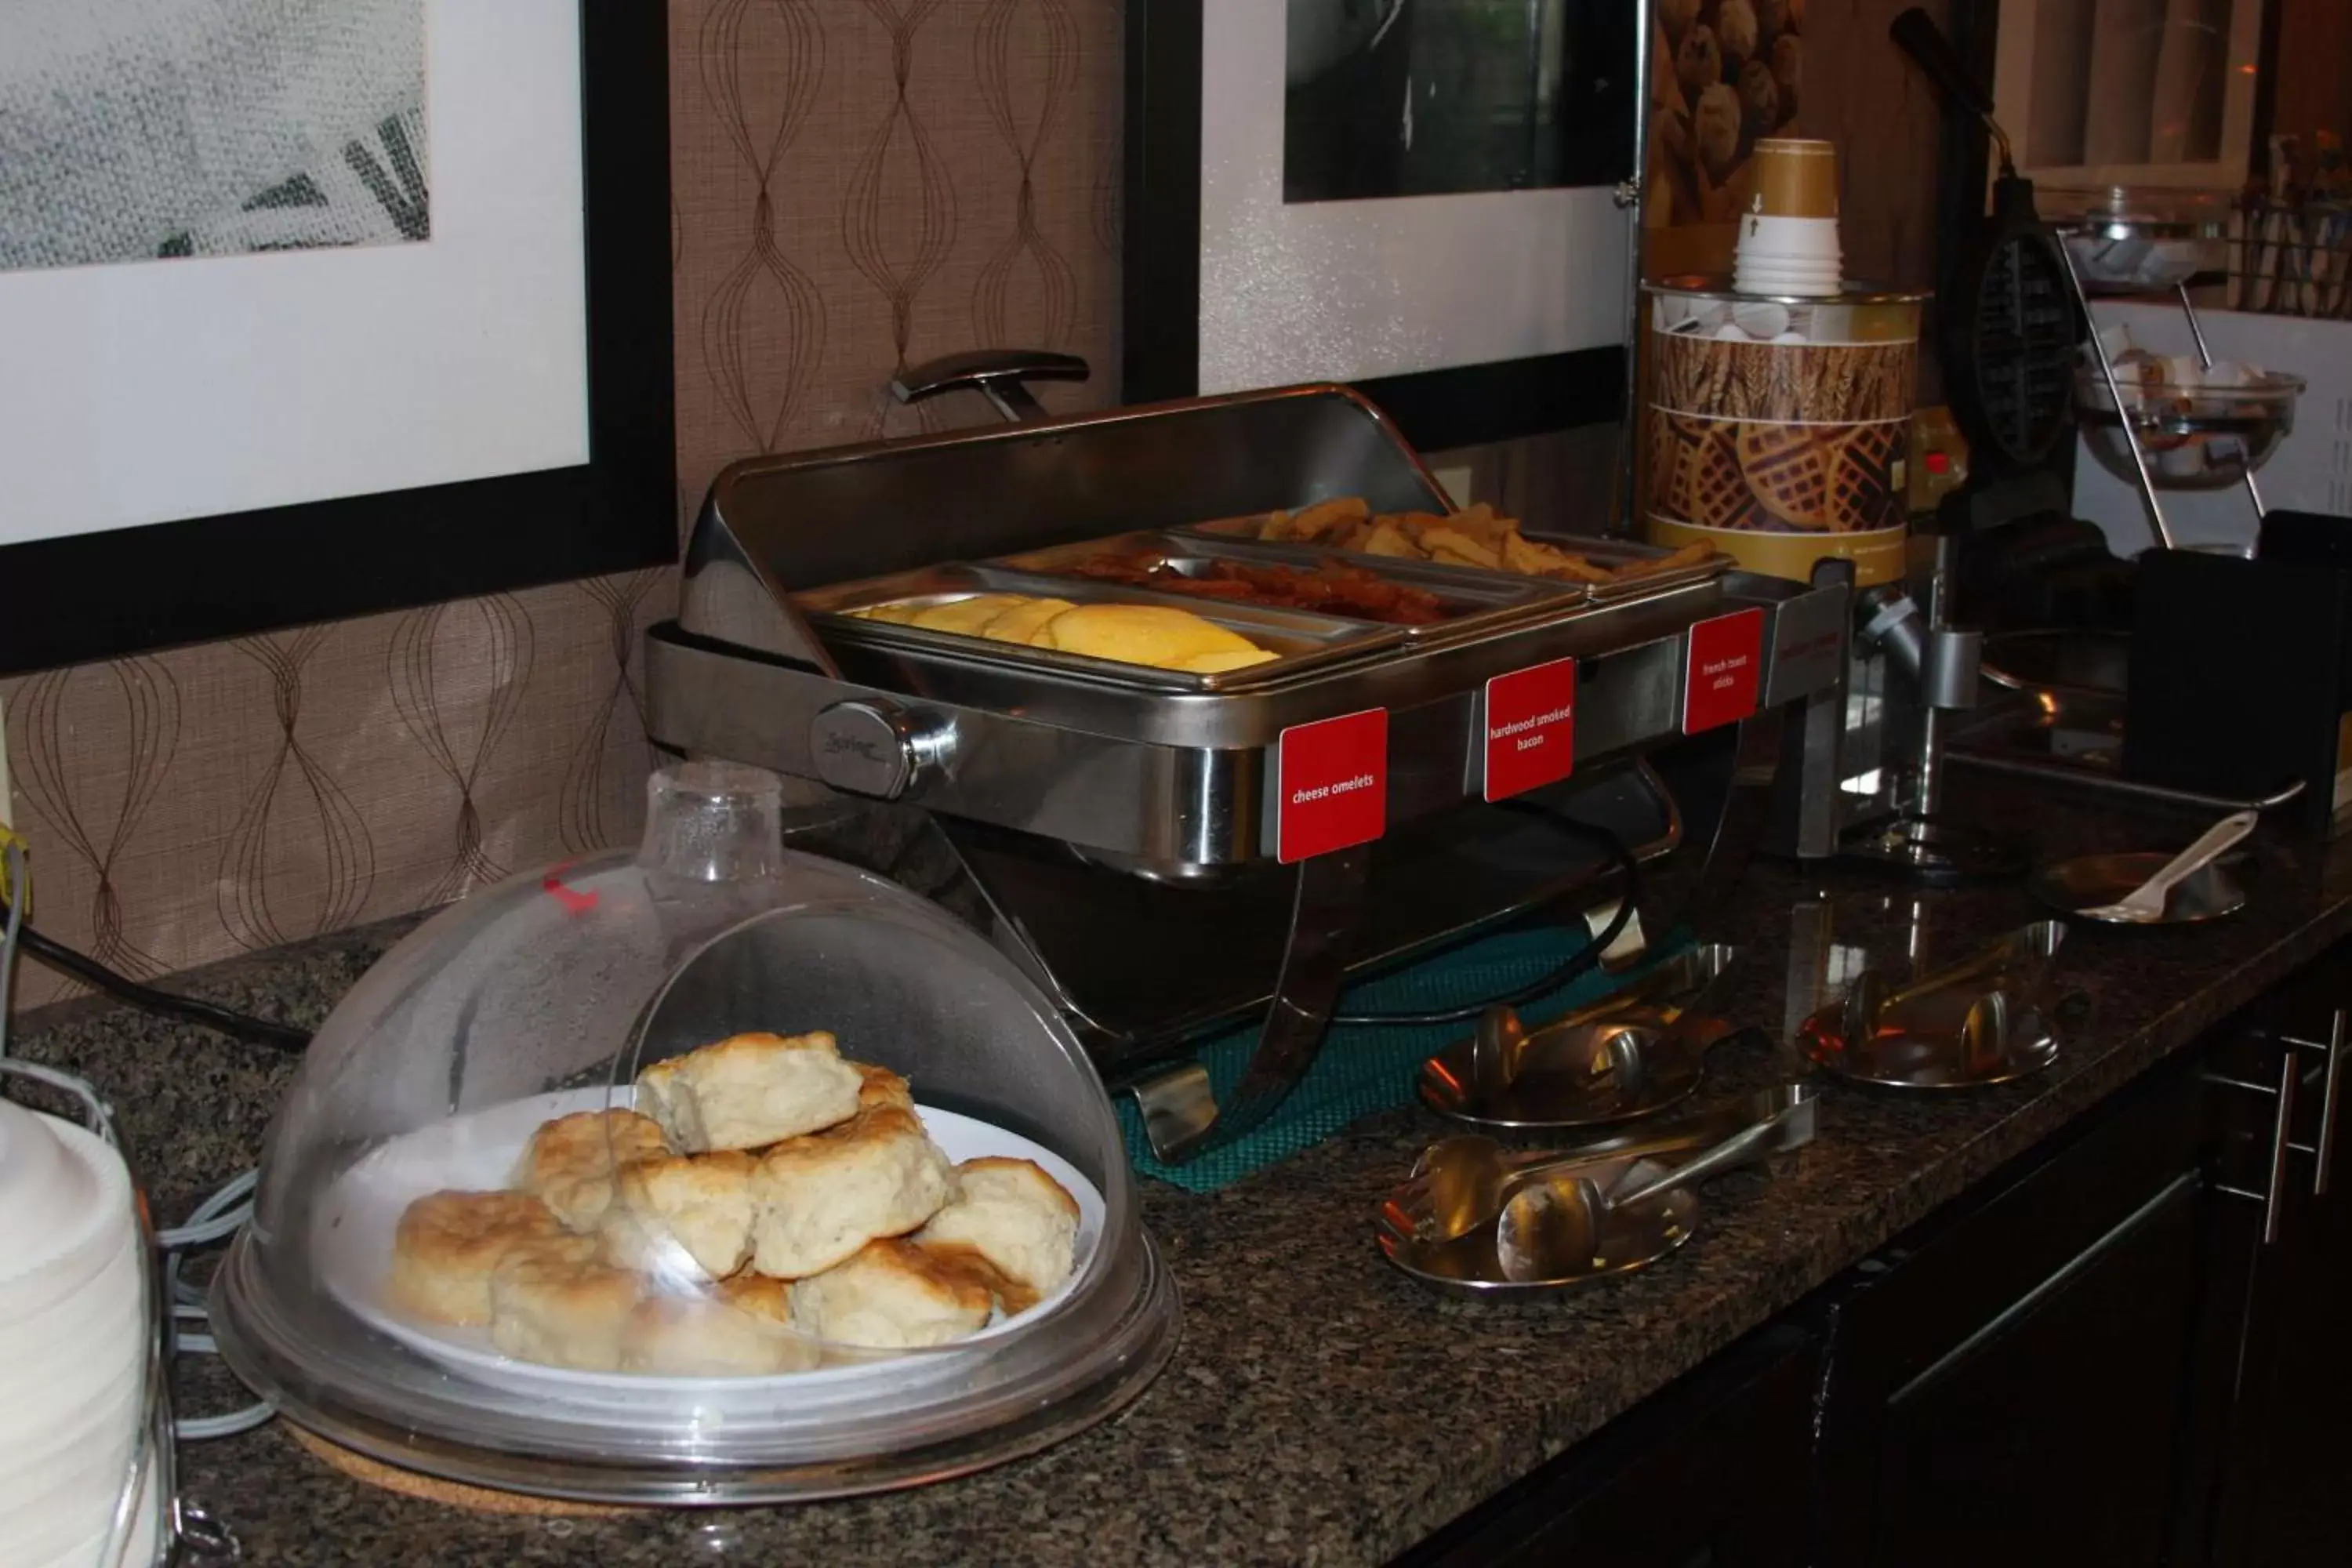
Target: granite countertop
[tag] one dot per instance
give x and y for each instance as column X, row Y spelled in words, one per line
column 1321, row 1408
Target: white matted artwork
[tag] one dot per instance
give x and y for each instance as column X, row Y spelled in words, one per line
column 1352, row 289
column 259, row 252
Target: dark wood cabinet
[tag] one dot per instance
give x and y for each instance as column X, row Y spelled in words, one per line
column 2008, row 1385
column 1711, row 1473
column 2132, row 1346
column 2280, row 1424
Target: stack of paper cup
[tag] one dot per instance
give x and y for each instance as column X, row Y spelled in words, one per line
column 73, row 1318
column 1789, row 236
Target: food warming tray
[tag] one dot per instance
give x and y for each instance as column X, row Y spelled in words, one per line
column 1475, row 602
column 1301, row 641
column 1161, row 855
column 1605, row 552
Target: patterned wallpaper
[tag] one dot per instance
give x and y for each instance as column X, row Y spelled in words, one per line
column 858, row 184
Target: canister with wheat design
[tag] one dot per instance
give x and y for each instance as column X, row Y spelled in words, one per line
column 1775, row 429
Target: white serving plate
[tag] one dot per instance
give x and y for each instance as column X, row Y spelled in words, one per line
column 352, row 1238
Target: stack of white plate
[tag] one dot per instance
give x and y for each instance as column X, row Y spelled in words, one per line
column 73, row 1320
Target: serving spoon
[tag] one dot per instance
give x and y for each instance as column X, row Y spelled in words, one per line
column 2144, row 904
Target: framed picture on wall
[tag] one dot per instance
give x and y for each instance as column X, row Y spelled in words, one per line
column 1725, row 74
column 2102, row 93
column 319, row 308
column 1415, row 197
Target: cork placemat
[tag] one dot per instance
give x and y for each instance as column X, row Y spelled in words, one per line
column 449, row 1494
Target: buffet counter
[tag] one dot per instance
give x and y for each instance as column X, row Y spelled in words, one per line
column 1320, row 1408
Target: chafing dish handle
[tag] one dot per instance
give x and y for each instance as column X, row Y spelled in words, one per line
column 998, row 374
column 1181, row 1116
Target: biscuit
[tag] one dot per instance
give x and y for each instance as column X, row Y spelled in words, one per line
column 570, row 1160
column 701, row 1203
column 447, row 1243
column 878, row 1087
column 1016, row 1217
column 558, row 1302
column 895, row 1295
column 742, row 1330
column 748, row 1091
column 817, row 1200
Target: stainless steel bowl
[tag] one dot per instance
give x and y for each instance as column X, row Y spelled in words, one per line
column 2069, row 661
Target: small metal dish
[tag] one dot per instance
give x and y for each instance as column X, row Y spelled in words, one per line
column 1607, row 553
column 2095, row 881
column 1523, row 1224
column 1618, row 553
column 1472, row 1267
column 1300, row 641
column 1632, row 1053
column 1474, row 604
column 1988, row 1019
column 2035, row 661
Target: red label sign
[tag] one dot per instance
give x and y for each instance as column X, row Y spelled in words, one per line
column 1725, row 671
column 571, row 898
column 1530, row 723
column 1334, row 779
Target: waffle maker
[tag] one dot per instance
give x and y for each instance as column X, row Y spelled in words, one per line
column 1168, row 855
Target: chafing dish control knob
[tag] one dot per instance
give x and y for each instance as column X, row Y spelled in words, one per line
column 877, row 749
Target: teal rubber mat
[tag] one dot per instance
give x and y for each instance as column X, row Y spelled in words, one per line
column 1361, row 1070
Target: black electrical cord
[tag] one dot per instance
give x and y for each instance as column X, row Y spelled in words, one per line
column 287, row 1037
column 1576, row 964
column 188, row 1009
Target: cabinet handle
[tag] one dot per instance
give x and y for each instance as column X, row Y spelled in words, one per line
column 2280, row 1131
column 2323, row 1148
column 2335, row 1032
column 2271, row 1196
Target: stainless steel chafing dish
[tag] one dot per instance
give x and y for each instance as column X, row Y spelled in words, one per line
column 1128, row 828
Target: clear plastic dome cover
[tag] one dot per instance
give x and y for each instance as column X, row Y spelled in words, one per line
column 524, row 1220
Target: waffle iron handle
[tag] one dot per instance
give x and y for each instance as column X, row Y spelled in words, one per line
column 1915, row 32
column 1180, row 1113
column 1001, row 375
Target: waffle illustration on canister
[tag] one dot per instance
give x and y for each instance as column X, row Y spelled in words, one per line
column 1714, row 493
column 1669, row 437
column 1861, row 486
column 1789, row 468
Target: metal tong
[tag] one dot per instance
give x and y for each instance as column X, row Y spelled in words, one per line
column 1475, row 1220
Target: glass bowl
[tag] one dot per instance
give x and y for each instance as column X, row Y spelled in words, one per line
column 2193, row 437
column 2140, row 239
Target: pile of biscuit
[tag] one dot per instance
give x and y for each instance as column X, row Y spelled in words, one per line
column 768, row 1195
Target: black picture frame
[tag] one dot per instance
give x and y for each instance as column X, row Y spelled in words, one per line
column 1438, row 410
column 106, row 595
